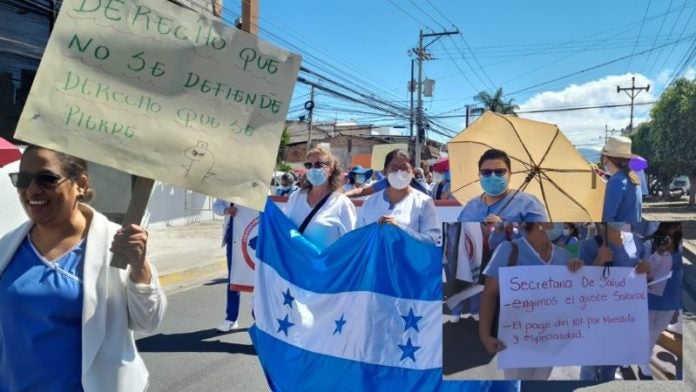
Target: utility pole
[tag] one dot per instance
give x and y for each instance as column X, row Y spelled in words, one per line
column 411, row 88
column 423, row 55
column 309, row 106
column 634, row 91
column 250, row 16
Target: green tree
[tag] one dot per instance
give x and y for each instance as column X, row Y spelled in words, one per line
column 495, row 102
column 674, row 121
column 660, row 166
column 281, row 165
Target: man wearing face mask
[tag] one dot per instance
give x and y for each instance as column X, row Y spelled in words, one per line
column 499, row 203
column 401, row 205
column 622, row 199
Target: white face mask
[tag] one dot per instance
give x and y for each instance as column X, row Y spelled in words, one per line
column 566, row 232
column 399, row 179
column 437, row 178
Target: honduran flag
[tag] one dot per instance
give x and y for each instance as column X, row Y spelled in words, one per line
column 363, row 315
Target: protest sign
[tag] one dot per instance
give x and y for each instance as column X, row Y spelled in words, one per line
column 162, row 92
column 380, row 151
column 552, row 317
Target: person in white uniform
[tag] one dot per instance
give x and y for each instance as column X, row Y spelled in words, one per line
column 328, row 213
column 401, row 205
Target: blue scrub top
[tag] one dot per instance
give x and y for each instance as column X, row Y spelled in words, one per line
column 622, row 200
column 41, row 321
column 526, row 256
column 624, row 256
column 523, row 208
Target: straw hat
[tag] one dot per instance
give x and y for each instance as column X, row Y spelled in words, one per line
column 618, row 147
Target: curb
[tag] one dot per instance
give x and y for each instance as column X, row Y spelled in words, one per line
column 181, row 278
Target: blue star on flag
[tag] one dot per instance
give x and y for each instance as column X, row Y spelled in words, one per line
column 287, row 298
column 411, row 320
column 339, row 325
column 284, row 324
column 408, row 350
column 252, row 242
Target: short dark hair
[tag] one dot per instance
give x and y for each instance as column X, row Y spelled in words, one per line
column 73, row 167
column 495, row 154
column 398, row 153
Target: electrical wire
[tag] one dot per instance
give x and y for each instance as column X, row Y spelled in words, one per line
column 640, row 31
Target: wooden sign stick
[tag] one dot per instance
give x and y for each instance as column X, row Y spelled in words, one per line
column 136, row 209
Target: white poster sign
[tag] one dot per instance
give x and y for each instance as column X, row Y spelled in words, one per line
column 552, row 317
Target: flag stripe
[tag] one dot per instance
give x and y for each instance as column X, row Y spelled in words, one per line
column 334, row 374
column 383, row 260
column 373, row 326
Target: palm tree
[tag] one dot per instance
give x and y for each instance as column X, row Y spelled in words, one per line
column 495, row 102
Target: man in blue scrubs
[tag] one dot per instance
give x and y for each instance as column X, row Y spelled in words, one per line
column 499, row 203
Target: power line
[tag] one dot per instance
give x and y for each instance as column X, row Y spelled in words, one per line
column 639, row 33
column 669, row 7
column 565, row 109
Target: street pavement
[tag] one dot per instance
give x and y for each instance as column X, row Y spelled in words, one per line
column 186, row 354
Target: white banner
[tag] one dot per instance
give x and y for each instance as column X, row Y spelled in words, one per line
column 552, row 317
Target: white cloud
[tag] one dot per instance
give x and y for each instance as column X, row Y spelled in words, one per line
column 585, row 128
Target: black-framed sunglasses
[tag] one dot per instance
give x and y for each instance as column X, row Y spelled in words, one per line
column 44, row 180
column 497, row 172
column 316, row 165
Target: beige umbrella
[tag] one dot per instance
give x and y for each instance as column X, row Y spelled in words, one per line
column 544, row 163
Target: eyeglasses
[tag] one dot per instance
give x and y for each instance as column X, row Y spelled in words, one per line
column 316, row 165
column 488, row 172
column 46, row 181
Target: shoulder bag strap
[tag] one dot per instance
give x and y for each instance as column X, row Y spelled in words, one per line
column 316, row 208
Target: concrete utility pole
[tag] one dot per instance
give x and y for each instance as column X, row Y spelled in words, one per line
column 411, row 88
column 423, row 55
column 634, row 91
column 309, row 106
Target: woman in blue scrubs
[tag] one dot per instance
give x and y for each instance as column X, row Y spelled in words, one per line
column 66, row 317
column 622, row 199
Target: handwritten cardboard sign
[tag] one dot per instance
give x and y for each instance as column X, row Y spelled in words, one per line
column 380, row 151
column 552, row 317
column 162, row 92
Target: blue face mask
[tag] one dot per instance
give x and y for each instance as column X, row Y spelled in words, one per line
column 359, row 179
column 316, row 177
column 554, row 232
column 494, row 185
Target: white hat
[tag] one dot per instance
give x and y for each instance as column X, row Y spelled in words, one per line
column 618, row 147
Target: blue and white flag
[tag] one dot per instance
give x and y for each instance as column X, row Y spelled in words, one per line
column 364, row 314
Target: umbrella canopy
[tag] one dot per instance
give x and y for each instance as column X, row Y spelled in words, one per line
column 8, row 152
column 638, row 163
column 544, row 163
column 441, row 166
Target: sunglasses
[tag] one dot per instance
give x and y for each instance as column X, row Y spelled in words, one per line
column 316, row 165
column 488, row 172
column 43, row 180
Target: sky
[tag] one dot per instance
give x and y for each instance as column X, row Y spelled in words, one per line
column 544, row 54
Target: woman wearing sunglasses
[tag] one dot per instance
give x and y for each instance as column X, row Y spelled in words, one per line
column 615, row 246
column 401, row 205
column 66, row 317
column 499, row 203
column 319, row 209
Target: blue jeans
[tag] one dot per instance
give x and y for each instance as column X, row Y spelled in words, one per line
column 232, row 296
column 598, row 373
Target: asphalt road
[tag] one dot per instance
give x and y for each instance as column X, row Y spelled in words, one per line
column 187, row 354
